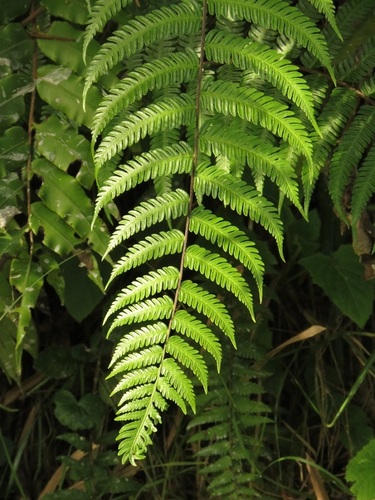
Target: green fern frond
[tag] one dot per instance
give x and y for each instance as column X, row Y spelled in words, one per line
column 223, row 428
column 152, row 247
column 146, row 336
column 178, row 380
column 168, row 206
column 165, row 278
column 327, row 8
column 240, row 197
column 148, row 310
column 230, row 239
column 349, row 153
column 230, row 49
column 258, row 108
column 204, row 302
column 101, row 12
column 167, row 113
column 261, row 157
column 279, row 16
column 364, row 186
column 157, row 74
column 358, row 65
column 218, row 270
column 143, row 30
column 189, row 357
column 338, row 109
column 146, row 357
column 368, row 86
column 177, row 158
column 136, row 378
column 188, row 325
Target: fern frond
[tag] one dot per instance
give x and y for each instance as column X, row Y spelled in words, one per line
column 152, row 247
column 204, row 302
column 178, row 380
column 143, row 30
column 177, row 158
column 333, row 118
column 230, row 239
column 230, row 49
column 148, row 310
column 146, row 336
column 136, row 378
column 258, row 108
column 188, row 325
column 167, row 113
column 165, row 278
column 349, row 153
column 157, row 74
column 364, row 186
column 217, row 269
column 168, row 206
column 279, row 16
column 101, row 12
column 150, row 356
column 327, row 8
column 189, row 357
column 242, row 198
column 262, row 158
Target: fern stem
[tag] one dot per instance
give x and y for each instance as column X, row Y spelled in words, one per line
column 194, row 166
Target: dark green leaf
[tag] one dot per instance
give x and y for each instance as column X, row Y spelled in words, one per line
column 71, row 10
column 13, row 150
column 16, row 47
column 361, row 471
column 82, row 414
column 63, row 91
column 341, row 278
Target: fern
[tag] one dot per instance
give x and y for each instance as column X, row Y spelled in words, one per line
column 281, row 17
column 144, row 30
column 225, row 48
column 232, row 405
column 349, row 153
column 206, row 107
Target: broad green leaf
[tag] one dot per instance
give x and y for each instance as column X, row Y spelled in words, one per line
column 13, row 9
column 14, row 150
column 341, row 278
column 63, row 195
column 71, row 10
column 27, row 277
column 58, row 236
column 361, row 471
column 12, row 91
column 71, row 56
column 16, row 47
column 63, row 91
column 12, row 242
column 52, row 271
column 11, row 189
column 8, row 348
column 81, row 294
column 63, row 146
column 82, row 414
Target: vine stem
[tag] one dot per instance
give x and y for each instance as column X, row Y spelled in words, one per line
column 194, row 166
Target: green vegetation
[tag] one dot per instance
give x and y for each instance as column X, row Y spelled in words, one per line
column 187, row 249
